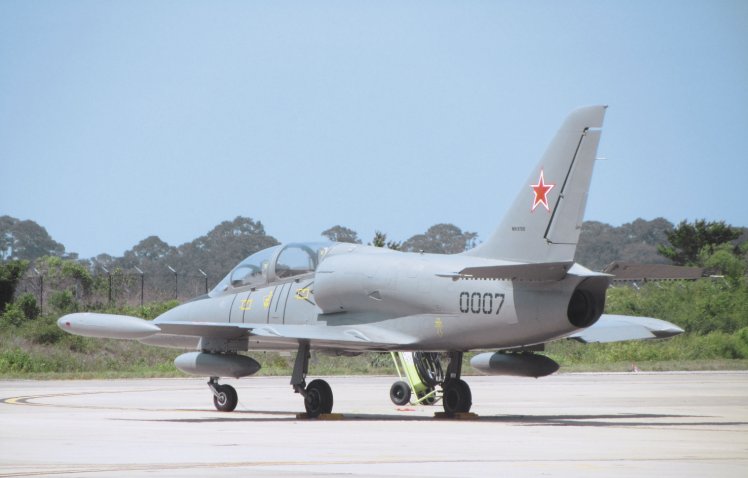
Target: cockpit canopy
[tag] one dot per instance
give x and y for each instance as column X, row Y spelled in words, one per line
column 276, row 263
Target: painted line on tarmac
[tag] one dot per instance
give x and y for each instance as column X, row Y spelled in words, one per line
column 27, row 400
column 52, row 469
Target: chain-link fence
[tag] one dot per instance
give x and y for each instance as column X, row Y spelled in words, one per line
column 113, row 289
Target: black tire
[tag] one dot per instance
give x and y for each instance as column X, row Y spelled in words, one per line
column 457, row 397
column 318, row 398
column 400, row 393
column 226, row 399
column 429, row 368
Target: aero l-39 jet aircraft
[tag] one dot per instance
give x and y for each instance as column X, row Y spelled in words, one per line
column 513, row 293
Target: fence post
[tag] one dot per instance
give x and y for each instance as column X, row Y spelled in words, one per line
column 109, row 276
column 141, row 284
column 41, row 291
column 176, row 282
column 205, row 276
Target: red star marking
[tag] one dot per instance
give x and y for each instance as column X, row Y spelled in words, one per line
column 541, row 191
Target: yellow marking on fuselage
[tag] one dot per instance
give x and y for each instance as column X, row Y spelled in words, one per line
column 302, row 294
column 246, row 304
column 439, row 326
column 266, row 300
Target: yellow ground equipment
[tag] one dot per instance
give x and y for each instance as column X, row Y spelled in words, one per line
column 420, row 373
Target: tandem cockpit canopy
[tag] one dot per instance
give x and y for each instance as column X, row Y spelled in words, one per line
column 275, row 263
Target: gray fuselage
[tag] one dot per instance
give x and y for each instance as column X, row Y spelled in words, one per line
column 382, row 292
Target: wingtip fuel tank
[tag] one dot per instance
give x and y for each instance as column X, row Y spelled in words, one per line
column 108, row 326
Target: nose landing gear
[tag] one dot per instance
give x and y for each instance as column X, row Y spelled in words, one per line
column 318, row 399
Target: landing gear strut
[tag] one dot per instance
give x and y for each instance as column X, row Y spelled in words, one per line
column 225, row 397
column 318, row 394
column 457, row 396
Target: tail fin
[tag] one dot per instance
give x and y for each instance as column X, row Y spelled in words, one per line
column 545, row 219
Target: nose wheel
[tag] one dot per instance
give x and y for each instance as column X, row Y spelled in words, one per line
column 225, row 397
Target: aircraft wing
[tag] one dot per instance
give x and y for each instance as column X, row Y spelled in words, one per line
column 359, row 337
column 347, row 337
column 617, row 328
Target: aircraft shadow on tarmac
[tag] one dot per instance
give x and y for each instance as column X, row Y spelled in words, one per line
column 582, row 420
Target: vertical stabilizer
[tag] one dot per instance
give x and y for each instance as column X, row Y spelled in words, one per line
column 545, row 219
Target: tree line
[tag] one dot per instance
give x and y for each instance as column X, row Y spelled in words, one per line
column 153, row 270
column 714, row 312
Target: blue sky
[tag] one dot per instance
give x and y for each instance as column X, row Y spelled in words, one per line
column 123, row 119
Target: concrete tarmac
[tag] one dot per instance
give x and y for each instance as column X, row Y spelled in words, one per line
column 567, row 425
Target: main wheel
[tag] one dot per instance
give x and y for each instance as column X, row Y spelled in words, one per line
column 400, row 393
column 457, row 397
column 226, row 399
column 318, row 398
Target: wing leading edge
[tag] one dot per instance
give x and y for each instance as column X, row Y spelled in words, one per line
column 288, row 334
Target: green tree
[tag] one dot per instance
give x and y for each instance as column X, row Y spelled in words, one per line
column 150, row 249
column 380, row 240
column 27, row 303
column 441, row 239
column 63, row 302
column 637, row 241
column 687, row 242
column 341, row 234
column 224, row 246
column 10, row 273
column 26, row 240
column 723, row 260
column 59, row 272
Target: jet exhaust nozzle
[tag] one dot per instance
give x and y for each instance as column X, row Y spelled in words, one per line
column 514, row 364
column 217, row 365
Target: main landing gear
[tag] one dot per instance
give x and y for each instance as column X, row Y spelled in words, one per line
column 318, row 394
column 225, row 397
column 457, row 397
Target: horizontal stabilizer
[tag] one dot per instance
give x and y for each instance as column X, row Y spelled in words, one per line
column 549, row 271
column 618, row 328
column 107, row 326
